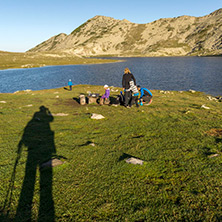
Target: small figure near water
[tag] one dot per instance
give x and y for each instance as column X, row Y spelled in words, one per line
column 70, row 84
column 105, row 97
column 145, row 95
column 127, row 77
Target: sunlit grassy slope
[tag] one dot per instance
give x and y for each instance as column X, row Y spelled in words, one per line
column 179, row 181
column 10, row 60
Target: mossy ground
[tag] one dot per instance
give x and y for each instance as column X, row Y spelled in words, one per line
column 178, row 182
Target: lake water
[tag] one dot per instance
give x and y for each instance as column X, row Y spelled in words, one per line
column 164, row 73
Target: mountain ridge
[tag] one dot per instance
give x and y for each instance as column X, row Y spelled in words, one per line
column 180, row 36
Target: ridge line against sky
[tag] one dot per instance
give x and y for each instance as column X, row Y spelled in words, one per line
column 25, row 24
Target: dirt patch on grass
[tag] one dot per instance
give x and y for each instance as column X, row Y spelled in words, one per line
column 215, row 132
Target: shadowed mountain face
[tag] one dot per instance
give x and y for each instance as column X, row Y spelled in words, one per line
column 184, row 35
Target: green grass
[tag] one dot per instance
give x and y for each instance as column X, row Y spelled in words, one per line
column 168, row 44
column 9, row 60
column 178, row 182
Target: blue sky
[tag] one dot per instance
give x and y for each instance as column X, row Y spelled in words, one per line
column 26, row 23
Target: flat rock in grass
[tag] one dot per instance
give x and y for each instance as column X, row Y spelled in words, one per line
column 2, row 102
column 97, row 116
column 214, row 155
column 51, row 163
column 27, row 90
column 192, row 91
column 205, row 107
column 134, row 161
column 60, row 114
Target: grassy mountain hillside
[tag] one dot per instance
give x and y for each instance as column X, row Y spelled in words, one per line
column 180, row 142
column 184, row 35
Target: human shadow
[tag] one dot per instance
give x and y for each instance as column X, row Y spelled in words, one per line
column 39, row 140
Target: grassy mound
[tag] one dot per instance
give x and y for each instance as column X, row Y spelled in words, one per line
column 180, row 179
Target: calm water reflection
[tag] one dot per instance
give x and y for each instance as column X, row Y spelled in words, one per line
column 172, row 73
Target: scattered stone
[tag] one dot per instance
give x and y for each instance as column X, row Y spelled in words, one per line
column 2, row 101
column 82, row 99
column 27, row 66
column 134, row 161
column 16, row 92
column 92, row 100
column 213, row 155
column 27, row 90
column 165, row 92
column 97, row 116
column 115, row 105
column 93, row 97
column 30, row 105
column 205, row 107
column 192, row 91
column 187, row 112
column 180, row 91
column 210, row 98
column 92, row 144
column 51, row 163
column 57, row 96
column 56, row 92
column 60, row 114
column 114, row 90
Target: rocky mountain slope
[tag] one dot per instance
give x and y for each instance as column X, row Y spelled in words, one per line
column 184, row 35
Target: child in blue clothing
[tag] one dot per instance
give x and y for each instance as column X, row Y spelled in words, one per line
column 145, row 95
column 70, row 85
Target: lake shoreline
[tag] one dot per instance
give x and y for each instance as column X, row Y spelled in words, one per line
column 164, row 92
column 178, row 74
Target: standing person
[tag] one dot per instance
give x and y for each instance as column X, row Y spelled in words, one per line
column 127, row 77
column 105, row 96
column 145, row 96
column 70, row 85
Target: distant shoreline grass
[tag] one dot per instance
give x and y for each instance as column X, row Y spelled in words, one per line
column 9, row 60
column 180, row 142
